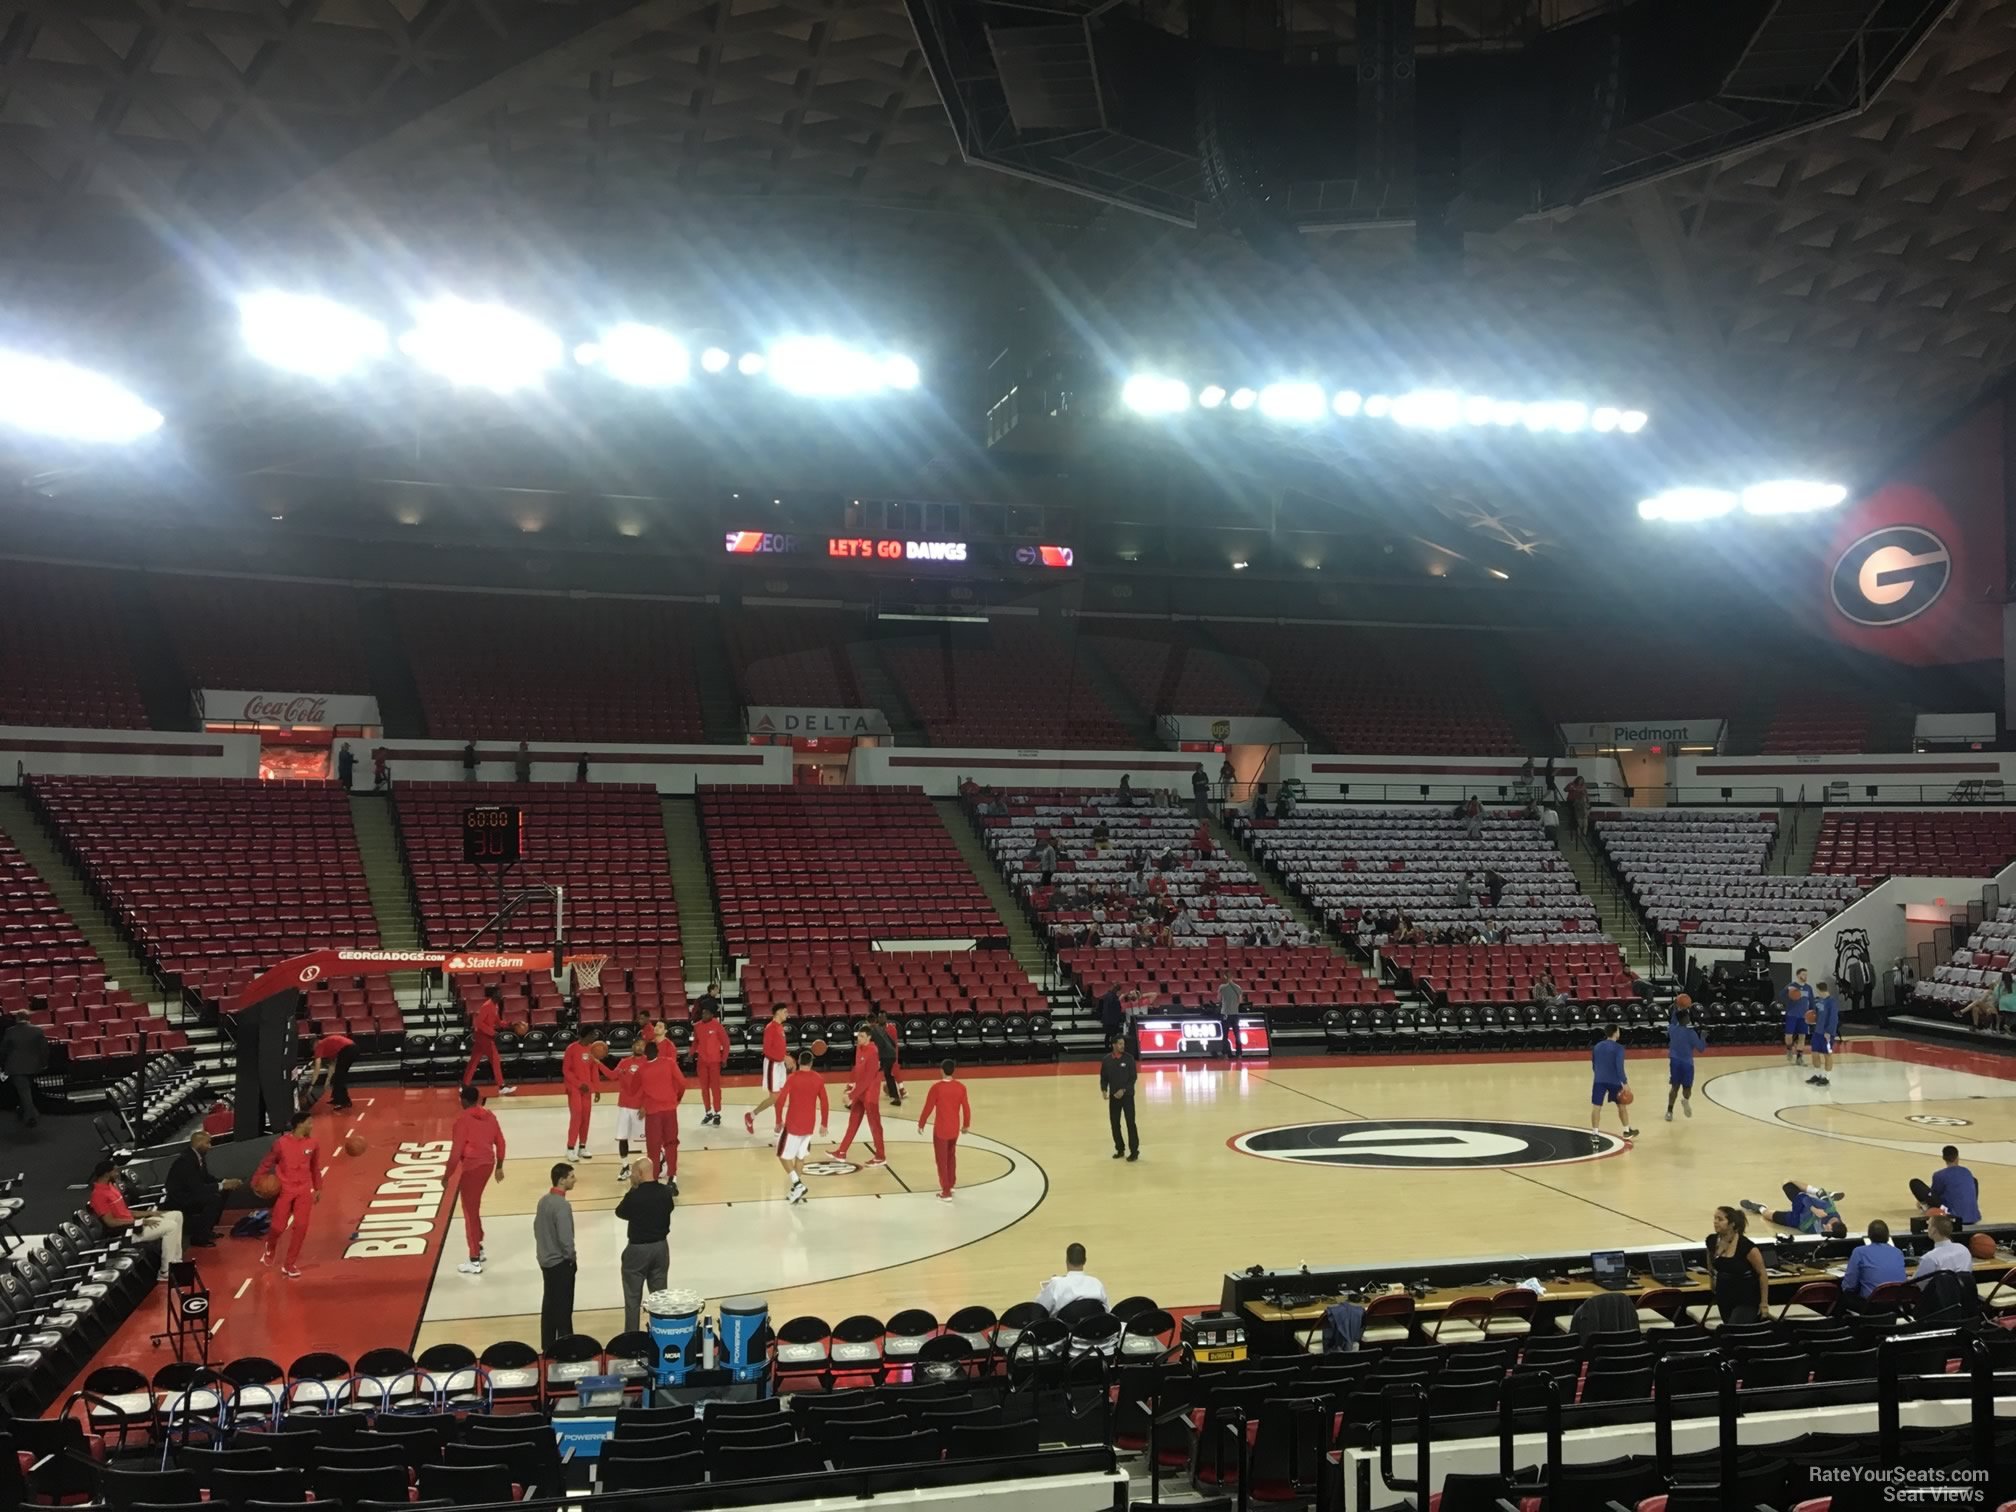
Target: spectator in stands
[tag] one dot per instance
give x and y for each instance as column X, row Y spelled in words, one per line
column 1045, row 857
column 1126, row 792
column 646, row 1209
column 469, row 762
column 1756, row 954
column 581, row 768
column 1117, row 1075
column 1200, row 789
column 1814, row 1210
column 1984, row 1011
column 1226, row 777
column 1578, row 805
column 1494, row 886
column 24, row 1055
column 1953, row 1188
column 346, row 766
column 1946, row 1254
column 1553, row 788
column 521, row 763
column 1550, row 824
column 968, row 789
column 1073, row 1285
column 1875, row 1262
column 1544, row 990
column 195, row 1193
column 1285, row 807
column 553, row 1243
column 1473, row 818
column 1742, row 1290
column 2005, row 1002
column 148, row 1225
column 381, row 770
column 1526, row 777
column 1259, row 800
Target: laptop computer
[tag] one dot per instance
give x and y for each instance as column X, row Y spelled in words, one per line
column 1669, row 1267
column 1612, row 1274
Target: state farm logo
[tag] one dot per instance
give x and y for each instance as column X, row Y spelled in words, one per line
column 297, row 710
column 487, row 963
column 1891, row 575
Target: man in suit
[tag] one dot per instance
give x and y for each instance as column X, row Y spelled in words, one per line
column 195, row 1193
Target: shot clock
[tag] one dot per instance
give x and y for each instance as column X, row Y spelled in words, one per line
column 493, row 835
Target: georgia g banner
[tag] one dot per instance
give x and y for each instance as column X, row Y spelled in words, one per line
column 1914, row 570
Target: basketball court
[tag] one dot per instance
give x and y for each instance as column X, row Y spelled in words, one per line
column 1334, row 1161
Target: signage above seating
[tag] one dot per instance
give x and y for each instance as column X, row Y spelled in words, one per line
column 1671, row 735
column 240, row 706
column 813, row 724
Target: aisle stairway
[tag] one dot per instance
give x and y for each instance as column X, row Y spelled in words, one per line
column 398, row 696
column 1028, row 948
column 714, row 681
column 107, row 940
column 392, row 903
column 686, row 853
column 879, row 691
column 1792, row 856
column 1275, row 888
column 1614, row 909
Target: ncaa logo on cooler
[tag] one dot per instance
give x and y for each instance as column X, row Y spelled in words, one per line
column 1891, row 575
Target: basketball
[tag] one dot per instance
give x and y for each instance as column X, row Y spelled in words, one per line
column 1683, row 1001
column 520, row 1026
column 267, row 1186
column 1625, row 1098
column 599, row 1049
column 1982, row 1246
column 354, row 1146
column 1812, row 1015
column 818, row 1047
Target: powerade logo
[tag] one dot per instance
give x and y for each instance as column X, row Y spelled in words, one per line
column 1891, row 575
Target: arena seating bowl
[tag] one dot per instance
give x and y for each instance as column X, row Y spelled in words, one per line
column 64, row 661
column 1869, row 844
column 1004, row 684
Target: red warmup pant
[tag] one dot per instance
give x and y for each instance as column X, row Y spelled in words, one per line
column 947, row 1151
column 661, row 1141
column 474, row 1179
column 300, row 1207
column 710, row 1086
column 477, row 1050
column 870, row 1107
column 579, row 1101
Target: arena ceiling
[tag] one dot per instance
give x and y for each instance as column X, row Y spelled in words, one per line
column 1835, row 293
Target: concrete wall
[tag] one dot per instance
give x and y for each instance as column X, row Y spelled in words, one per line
column 125, row 753
column 1765, row 780
column 1399, row 779
column 671, row 769
column 939, row 771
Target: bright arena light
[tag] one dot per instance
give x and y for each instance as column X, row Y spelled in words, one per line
column 1684, row 504
column 642, row 355
column 749, row 364
column 1242, row 399
column 1507, row 412
column 481, row 345
column 1605, row 419
column 1347, row 403
column 1151, row 394
column 1298, row 402
column 1379, row 406
column 900, row 373
column 306, row 334
column 1210, row 396
column 1428, row 409
column 1477, row 410
column 819, row 367
column 70, row 403
column 714, row 360
column 1632, row 421
column 1790, row 496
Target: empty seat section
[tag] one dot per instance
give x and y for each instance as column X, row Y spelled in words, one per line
column 541, row 667
column 904, row 983
column 1700, row 875
column 1290, row 977
column 793, row 657
column 1372, row 871
column 263, row 636
column 215, row 879
column 1580, row 676
column 1977, row 967
column 1139, row 872
column 1816, row 726
column 1001, row 684
column 1164, row 672
column 1464, row 975
column 805, row 871
column 63, row 656
column 1873, row 843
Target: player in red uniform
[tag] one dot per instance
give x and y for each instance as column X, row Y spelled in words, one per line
column 477, row 1142
column 483, row 1040
column 710, row 1055
column 334, row 1054
column 297, row 1161
column 579, row 1071
column 776, row 1066
column 629, row 1106
column 948, row 1103
column 864, row 1098
column 802, row 1095
column 662, row 1087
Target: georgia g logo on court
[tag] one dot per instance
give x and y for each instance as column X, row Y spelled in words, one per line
column 1891, row 575
column 1426, row 1144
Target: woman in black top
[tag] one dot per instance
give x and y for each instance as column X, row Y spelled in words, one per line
column 1741, row 1289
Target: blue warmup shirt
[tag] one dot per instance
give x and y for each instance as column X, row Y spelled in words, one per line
column 1608, row 1060
column 1811, row 1215
column 1955, row 1189
column 1871, row 1266
column 1829, row 1022
column 1682, row 1040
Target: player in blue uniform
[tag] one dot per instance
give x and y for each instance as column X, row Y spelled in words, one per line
column 1826, row 1030
column 1682, row 1040
column 1607, row 1063
column 1798, row 998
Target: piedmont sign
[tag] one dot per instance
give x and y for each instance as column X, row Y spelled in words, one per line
column 1426, row 1144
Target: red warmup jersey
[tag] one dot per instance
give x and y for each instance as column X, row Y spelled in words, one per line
column 773, row 1040
column 661, row 1083
column 484, row 1025
column 296, row 1161
column 802, row 1103
column 867, row 1083
column 710, row 1042
column 107, row 1202
column 947, row 1102
column 579, row 1069
column 332, row 1045
column 628, row 1093
column 477, row 1137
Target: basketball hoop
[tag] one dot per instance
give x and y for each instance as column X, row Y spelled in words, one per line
column 588, row 969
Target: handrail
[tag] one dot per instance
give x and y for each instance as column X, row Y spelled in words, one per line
column 1423, row 1434
column 1507, row 1412
column 1726, row 1436
column 1889, row 1411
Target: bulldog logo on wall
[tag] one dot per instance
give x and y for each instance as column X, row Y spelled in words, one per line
column 1891, row 575
column 1426, row 1144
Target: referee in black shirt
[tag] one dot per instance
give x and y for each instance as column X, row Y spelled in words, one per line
column 1117, row 1074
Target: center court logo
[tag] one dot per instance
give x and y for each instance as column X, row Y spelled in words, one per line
column 1418, row 1144
column 1891, row 575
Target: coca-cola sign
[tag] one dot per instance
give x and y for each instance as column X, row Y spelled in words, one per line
column 251, row 706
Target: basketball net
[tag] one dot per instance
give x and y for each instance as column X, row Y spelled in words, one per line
column 588, row 969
